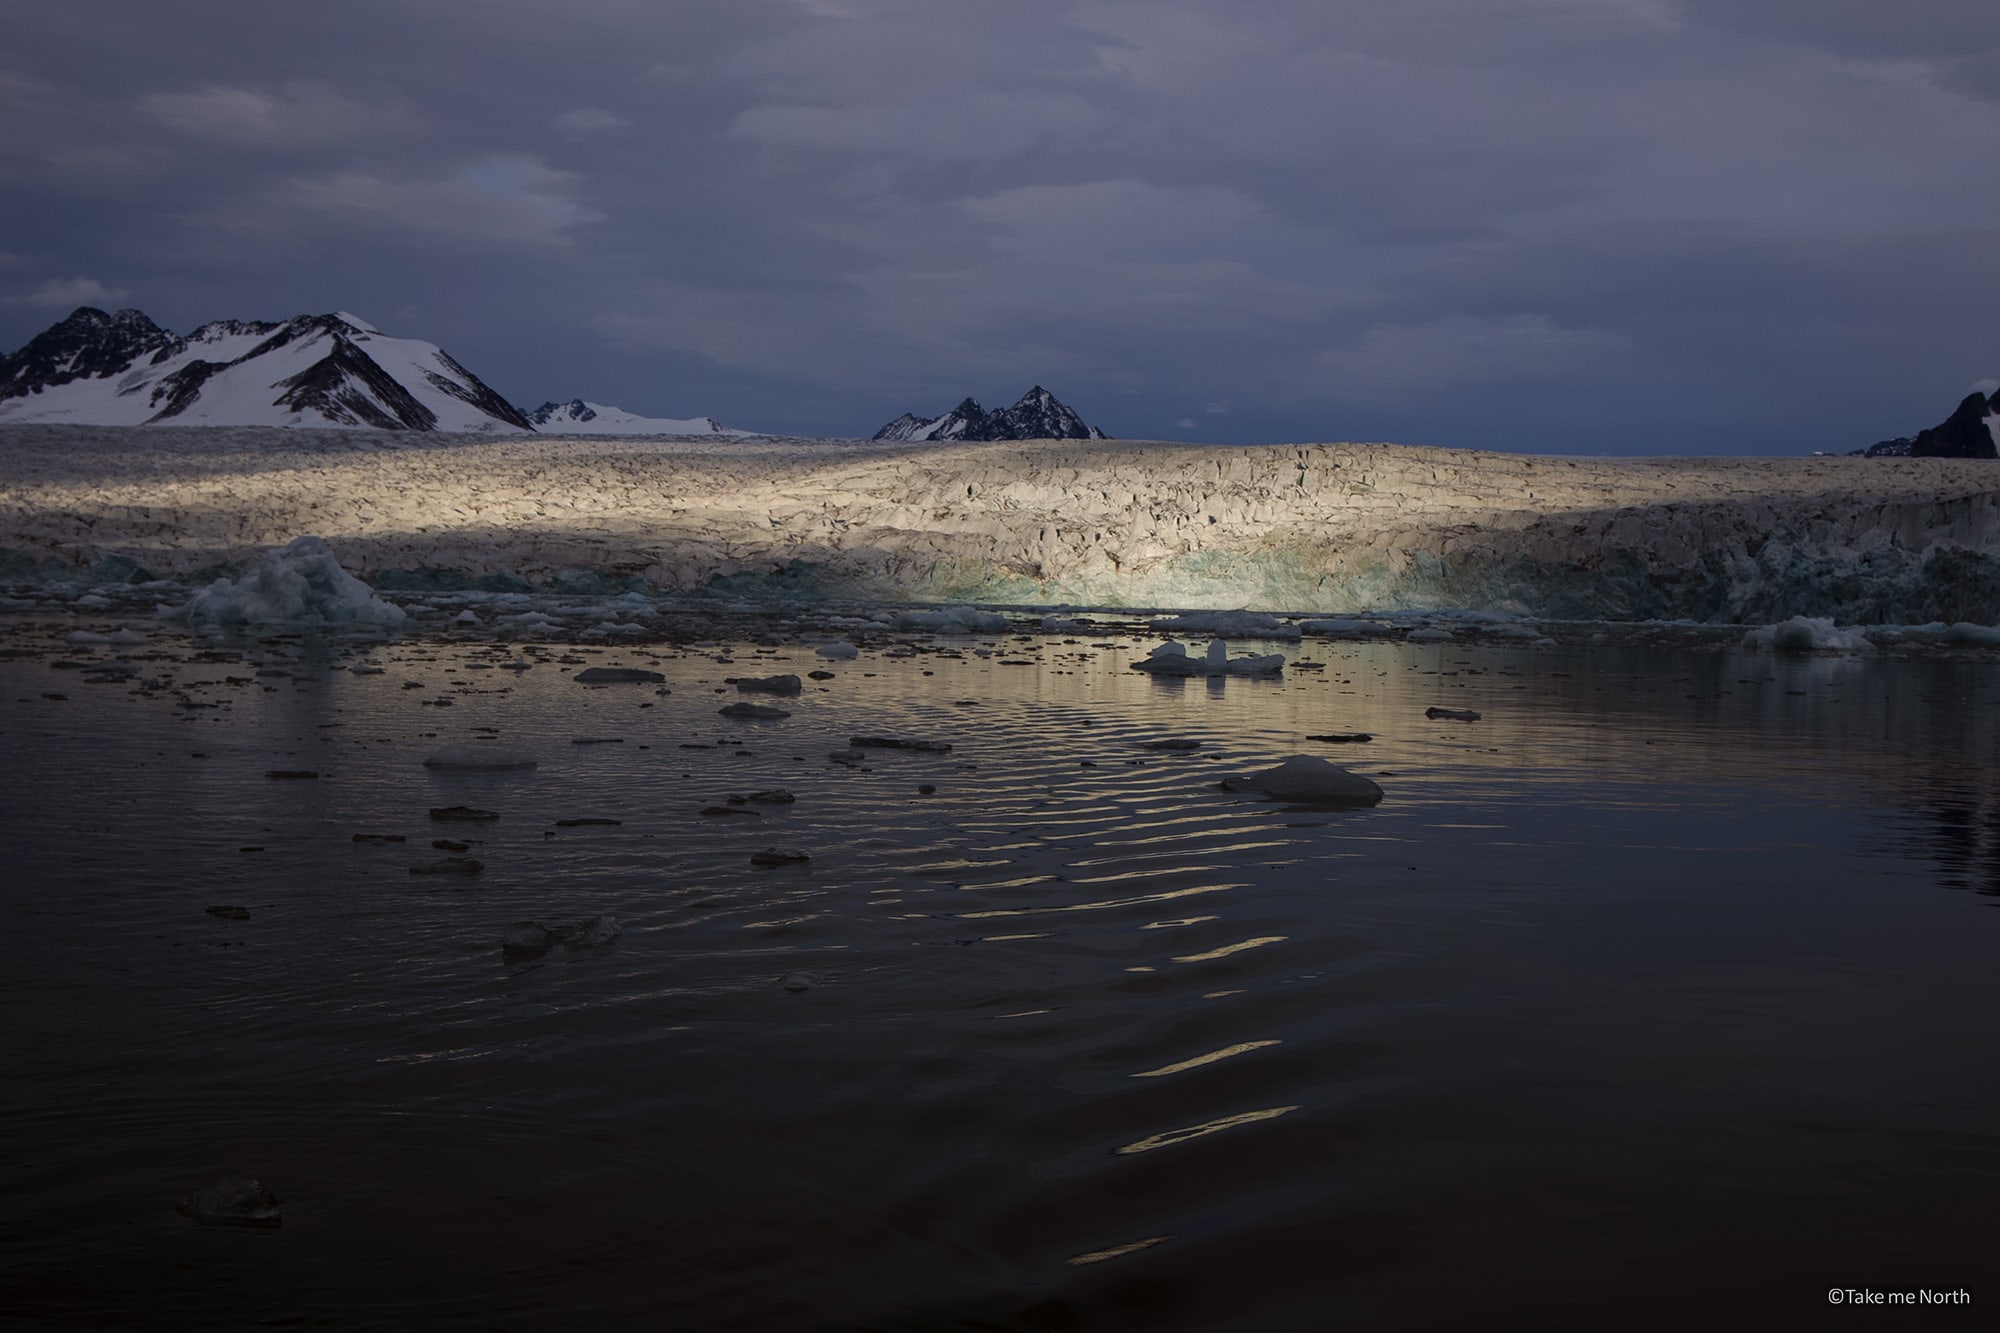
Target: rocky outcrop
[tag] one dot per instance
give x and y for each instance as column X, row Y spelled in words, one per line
column 1969, row 432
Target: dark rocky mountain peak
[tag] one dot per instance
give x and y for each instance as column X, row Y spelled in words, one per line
column 1038, row 415
column 88, row 344
column 1969, row 432
column 573, row 410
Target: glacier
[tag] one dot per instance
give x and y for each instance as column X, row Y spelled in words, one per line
column 1325, row 530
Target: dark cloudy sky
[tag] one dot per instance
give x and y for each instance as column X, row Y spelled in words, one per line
column 1598, row 226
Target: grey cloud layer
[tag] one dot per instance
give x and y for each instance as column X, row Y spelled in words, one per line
column 1599, row 225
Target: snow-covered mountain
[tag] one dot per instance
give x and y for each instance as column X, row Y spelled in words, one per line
column 313, row 370
column 577, row 417
column 1037, row 416
column 1971, row 431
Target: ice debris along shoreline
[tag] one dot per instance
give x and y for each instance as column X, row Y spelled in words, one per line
column 301, row 586
column 1322, row 530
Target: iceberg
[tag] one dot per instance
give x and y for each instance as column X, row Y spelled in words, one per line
column 1806, row 634
column 299, row 584
column 1171, row 659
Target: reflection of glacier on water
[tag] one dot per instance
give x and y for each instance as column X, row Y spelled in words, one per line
column 1049, row 1026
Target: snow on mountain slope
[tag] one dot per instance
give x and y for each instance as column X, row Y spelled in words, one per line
column 313, row 370
column 576, row 417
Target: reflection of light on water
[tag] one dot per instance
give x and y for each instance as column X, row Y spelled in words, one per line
column 1174, row 1136
column 1104, row 903
column 1182, row 1066
column 1228, row 949
column 1115, row 1252
column 1177, row 921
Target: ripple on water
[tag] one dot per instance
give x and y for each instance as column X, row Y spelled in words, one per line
column 1075, row 1036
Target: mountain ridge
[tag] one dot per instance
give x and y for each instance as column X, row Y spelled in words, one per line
column 336, row 369
column 1037, row 415
column 1971, row 431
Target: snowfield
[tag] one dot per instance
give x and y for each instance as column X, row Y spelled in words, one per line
column 1319, row 529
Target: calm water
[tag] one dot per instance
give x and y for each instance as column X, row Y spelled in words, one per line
column 1662, row 994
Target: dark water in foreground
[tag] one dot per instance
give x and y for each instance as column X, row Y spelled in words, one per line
column 1661, row 996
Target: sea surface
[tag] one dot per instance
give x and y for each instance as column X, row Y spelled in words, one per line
column 1661, row 996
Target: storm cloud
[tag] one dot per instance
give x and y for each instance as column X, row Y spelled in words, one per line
column 1605, row 226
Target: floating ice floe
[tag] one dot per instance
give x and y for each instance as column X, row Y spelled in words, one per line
column 532, row 939
column 1806, row 634
column 233, row 1202
column 1429, row 634
column 1967, row 632
column 1064, row 625
column 1305, row 777
column 297, row 584
column 1230, row 624
column 478, row 757
column 948, row 620
column 1343, row 628
column 1171, row 659
column 838, row 651
column 618, row 676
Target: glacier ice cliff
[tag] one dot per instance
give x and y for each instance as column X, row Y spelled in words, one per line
column 1324, row 528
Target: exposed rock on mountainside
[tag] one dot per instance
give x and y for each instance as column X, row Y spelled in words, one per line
column 1037, row 416
column 577, row 417
column 317, row 370
column 1973, row 431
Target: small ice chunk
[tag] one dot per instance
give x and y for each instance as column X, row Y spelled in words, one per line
column 752, row 710
column 1429, row 634
column 1231, row 624
column 233, row 1201
column 1342, row 628
column 786, row 684
column 948, row 620
column 532, row 939
column 466, row 618
column 1171, row 659
column 1305, row 777
column 618, row 676
column 478, row 756
column 838, row 651
column 1806, row 634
